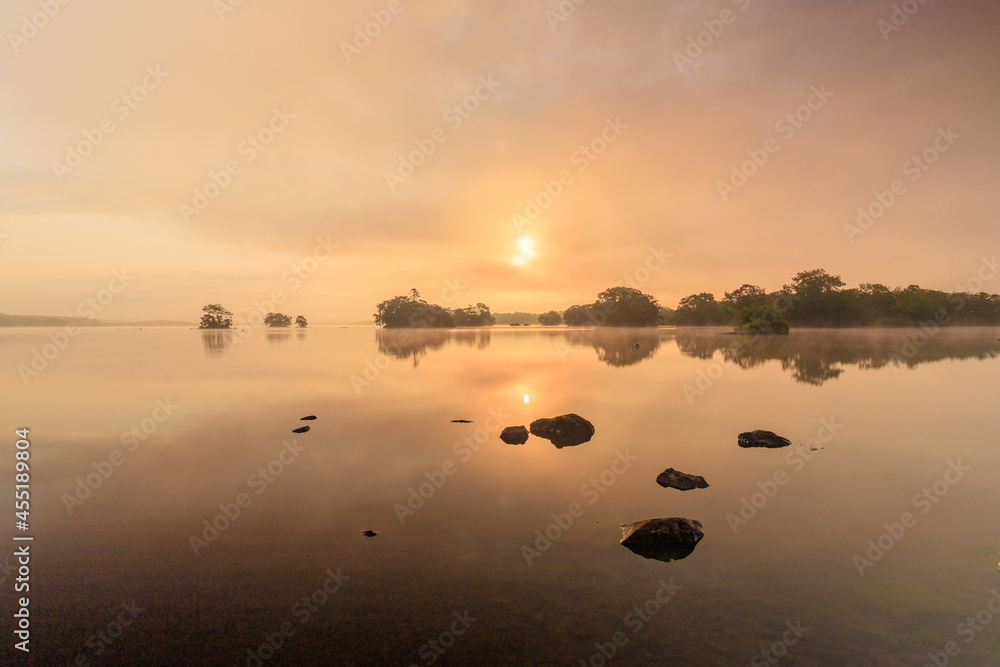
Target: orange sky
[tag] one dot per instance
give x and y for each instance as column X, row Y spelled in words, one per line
column 303, row 122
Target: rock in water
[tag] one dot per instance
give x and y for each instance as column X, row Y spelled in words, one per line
column 564, row 431
column 662, row 539
column 676, row 479
column 514, row 435
column 461, row 421
column 309, row 418
column 762, row 439
column 369, row 533
column 301, row 429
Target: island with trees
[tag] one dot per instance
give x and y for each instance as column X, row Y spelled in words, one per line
column 413, row 311
column 216, row 317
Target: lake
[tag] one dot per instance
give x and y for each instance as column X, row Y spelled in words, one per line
column 178, row 520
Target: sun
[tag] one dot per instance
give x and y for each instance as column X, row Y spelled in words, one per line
column 527, row 247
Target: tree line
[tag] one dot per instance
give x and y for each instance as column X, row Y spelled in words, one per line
column 818, row 299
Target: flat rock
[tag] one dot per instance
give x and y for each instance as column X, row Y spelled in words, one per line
column 309, row 418
column 675, row 479
column 369, row 533
column 301, row 429
column 762, row 439
column 566, row 430
column 662, row 539
column 514, row 435
column 461, row 421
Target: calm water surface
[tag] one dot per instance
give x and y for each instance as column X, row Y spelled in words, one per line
column 884, row 422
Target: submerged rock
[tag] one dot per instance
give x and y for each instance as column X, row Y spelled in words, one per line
column 309, row 418
column 762, row 439
column 514, row 435
column 662, row 539
column 566, row 430
column 301, row 429
column 369, row 533
column 676, row 479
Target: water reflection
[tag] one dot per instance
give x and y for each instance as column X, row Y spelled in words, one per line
column 816, row 356
column 618, row 347
column 414, row 343
column 277, row 337
column 810, row 356
column 217, row 342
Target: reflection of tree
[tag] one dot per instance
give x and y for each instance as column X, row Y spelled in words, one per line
column 275, row 337
column 414, row 343
column 619, row 347
column 217, row 342
column 814, row 356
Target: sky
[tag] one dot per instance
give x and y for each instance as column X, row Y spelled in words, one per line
column 316, row 158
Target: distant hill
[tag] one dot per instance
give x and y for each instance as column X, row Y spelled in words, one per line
column 58, row 321
column 518, row 317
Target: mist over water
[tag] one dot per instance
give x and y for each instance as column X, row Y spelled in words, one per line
column 883, row 422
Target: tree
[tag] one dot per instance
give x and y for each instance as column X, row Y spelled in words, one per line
column 817, row 300
column 760, row 320
column 412, row 311
column 578, row 316
column 699, row 310
column 627, row 307
column 550, row 319
column 746, row 296
column 301, row 322
column 474, row 316
column 216, row 317
column 277, row 320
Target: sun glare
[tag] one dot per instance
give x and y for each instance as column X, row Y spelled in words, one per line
column 527, row 246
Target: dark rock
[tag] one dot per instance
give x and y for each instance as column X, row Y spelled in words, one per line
column 762, row 439
column 309, row 418
column 514, row 435
column 369, row 533
column 564, row 431
column 301, row 429
column 461, row 421
column 662, row 539
column 676, row 479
